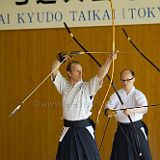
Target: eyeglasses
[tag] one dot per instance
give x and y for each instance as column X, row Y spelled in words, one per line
column 127, row 80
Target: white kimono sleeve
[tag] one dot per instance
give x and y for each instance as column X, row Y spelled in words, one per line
column 141, row 100
column 60, row 82
column 113, row 102
column 94, row 85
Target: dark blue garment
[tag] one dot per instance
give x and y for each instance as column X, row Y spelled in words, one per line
column 78, row 144
column 127, row 145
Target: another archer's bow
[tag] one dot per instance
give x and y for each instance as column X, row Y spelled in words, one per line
column 139, row 51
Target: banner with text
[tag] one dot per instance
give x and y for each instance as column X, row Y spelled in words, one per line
column 34, row 14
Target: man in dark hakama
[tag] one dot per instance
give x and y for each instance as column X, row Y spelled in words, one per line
column 77, row 141
column 131, row 139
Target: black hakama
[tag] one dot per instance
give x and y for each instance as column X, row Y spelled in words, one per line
column 127, row 145
column 78, row 143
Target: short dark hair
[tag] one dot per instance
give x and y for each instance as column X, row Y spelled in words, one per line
column 70, row 65
column 131, row 71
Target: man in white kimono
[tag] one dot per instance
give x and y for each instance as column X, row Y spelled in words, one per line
column 77, row 141
column 131, row 139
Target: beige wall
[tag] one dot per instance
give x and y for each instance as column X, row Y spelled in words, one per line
column 25, row 59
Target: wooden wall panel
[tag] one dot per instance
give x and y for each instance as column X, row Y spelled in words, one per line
column 25, row 59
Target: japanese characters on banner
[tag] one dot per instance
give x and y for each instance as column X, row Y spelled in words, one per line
column 34, row 14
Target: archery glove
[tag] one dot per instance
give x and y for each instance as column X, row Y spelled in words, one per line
column 61, row 56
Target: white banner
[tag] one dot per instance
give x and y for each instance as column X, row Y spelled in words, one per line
column 34, row 14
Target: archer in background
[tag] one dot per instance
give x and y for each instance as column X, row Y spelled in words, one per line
column 131, row 139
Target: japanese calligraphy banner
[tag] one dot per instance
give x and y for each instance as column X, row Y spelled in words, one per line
column 34, row 14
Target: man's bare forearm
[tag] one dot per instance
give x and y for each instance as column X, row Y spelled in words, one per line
column 55, row 66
